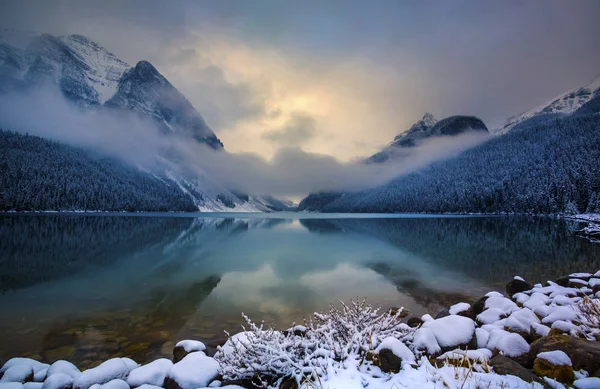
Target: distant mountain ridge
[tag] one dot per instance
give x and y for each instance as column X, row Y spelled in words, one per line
column 564, row 104
column 91, row 77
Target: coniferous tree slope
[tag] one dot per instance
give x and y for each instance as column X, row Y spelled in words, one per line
column 547, row 165
column 37, row 174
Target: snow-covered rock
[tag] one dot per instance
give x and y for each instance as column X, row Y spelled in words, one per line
column 398, row 348
column 116, row 368
column 196, row 370
column 58, row 381
column 33, row 385
column 115, row 384
column 153, row 373
column 452, row 331
column 65, row 367
column 18, row 373
column 185, row 347
column 35, row 365
column 11, row 385
column 458, row 308
column 556, row 357
column 424, row 339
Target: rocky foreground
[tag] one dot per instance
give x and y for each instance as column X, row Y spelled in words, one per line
column 535, row 336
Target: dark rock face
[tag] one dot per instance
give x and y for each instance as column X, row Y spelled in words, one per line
column 517, row 286
column 506, row 366
column 144, row 90
column 389, row 362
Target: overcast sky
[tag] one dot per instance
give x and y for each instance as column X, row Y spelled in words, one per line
column 339, row 77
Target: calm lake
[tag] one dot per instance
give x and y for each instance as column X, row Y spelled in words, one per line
column 89, row 287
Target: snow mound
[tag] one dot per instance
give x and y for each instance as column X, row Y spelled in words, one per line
column 557, row 357
column 458, row 308
column 451, row 331
column 105, row 372
column 115, row 384
column 196, row 370
column 424, row 339
column 65, row 367
column 57, row 381
column 587, row 383
column 32, row 385
column 153, row 373
column 11, row 385
column 35, row 365
column 480, row 355
column 18, row 373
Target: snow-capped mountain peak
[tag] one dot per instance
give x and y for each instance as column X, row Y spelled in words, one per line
column 564, row 104
column 104, row 68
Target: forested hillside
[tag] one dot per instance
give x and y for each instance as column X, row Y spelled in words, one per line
column 546, row 165
column 38, row 174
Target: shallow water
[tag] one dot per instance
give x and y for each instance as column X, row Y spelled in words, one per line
column 90, row 287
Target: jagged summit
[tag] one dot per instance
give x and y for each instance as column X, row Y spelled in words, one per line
column 89, row 75
column 144, row 90
column 424, row 124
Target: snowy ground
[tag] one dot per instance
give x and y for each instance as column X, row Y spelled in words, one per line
column 357, row 346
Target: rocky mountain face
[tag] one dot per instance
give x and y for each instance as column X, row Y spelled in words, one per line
column 425, row 128
column 144, row 90
column 562, row 105
column 91, row 77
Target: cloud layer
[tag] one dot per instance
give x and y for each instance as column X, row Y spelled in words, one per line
column 362, row 71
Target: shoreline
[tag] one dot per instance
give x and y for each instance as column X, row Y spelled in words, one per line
column 499, row 340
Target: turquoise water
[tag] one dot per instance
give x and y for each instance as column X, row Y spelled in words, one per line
column 88, row 287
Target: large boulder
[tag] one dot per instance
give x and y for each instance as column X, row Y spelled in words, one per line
column 584, row 354
column 554, row 364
